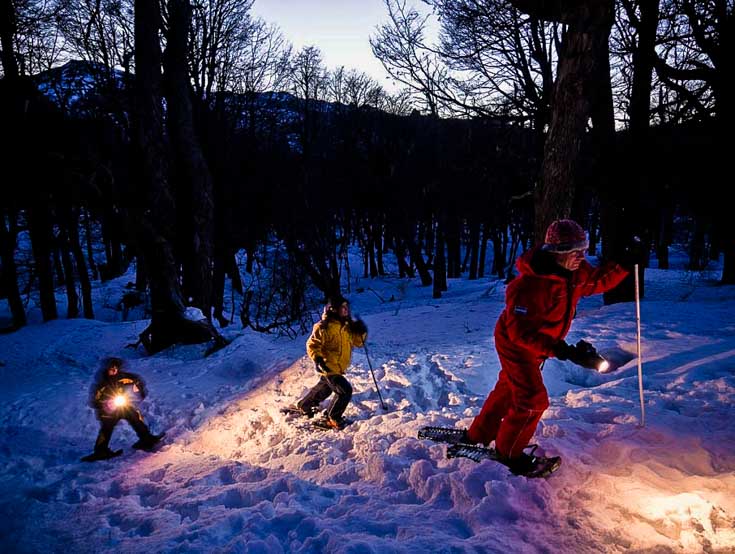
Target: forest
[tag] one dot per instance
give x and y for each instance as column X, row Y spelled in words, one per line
column 189, row 139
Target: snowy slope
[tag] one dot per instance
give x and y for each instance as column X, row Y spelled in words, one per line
column 236, row 476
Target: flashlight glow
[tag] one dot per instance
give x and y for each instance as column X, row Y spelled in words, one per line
column 604, row 366
column 120, row 400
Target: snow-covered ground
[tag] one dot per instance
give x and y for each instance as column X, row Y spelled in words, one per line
column 235, row 476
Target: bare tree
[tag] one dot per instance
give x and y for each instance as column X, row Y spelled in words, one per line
column 399, row 103
column 37, row 43
column 336, row 85
column 264, row 62
column 580, row 83
column 695, row 61
column 504, row 60
column 156, row 217
column 360, row 89
column 9, row 276
column 309, row 83
column 220, row 32
column 8, row 30
column 401, row 47
column 98, row 31
column 191, row 171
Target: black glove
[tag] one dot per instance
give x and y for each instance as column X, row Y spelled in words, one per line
column 562, row 350
column 358, row 327
column 585, row 355
column 321, row 366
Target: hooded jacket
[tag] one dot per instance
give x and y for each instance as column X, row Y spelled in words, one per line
column 106, row 387
column 541, row 302
column 333, row 339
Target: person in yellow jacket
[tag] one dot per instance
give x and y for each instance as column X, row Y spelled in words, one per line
column 330, row 346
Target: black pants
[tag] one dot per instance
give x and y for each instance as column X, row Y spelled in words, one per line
column 327, row 385
column 107, row 425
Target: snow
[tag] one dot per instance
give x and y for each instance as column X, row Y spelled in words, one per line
column 235, row 476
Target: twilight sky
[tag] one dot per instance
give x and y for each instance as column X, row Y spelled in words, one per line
column 339, row 28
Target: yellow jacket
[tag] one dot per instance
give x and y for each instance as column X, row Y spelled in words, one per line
column 333, row 340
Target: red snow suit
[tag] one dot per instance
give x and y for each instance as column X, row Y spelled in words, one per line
column 539, row 308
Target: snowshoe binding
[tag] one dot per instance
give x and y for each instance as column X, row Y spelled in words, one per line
column 149, row 444
column 330, row 423
column 527, row 464
column 294, row 409
column 103, row 455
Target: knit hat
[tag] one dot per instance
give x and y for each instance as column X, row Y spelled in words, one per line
column 335, row 301
column 109, row 363
column 565, row 235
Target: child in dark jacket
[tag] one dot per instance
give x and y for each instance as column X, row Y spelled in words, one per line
column 113, row 397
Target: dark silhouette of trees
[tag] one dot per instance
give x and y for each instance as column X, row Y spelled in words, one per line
column 522, row 112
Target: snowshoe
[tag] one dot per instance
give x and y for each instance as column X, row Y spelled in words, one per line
column 472, row 452
column 293, row 409
column 149, row 444
column 444, row 434
column 526, row 465
column 97, row 456
column 329, row 423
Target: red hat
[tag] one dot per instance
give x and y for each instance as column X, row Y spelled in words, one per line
column 565, row 235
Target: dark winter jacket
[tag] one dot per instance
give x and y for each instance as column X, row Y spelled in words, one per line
column 107, row 387
column 332, row 339
column 541, row 302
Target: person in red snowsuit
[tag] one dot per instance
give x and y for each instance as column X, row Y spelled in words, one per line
column 540, row 306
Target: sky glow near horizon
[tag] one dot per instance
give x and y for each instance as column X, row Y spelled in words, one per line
column 340, row 29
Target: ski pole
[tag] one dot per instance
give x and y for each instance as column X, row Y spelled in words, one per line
column 370, row 365
column 638, row 343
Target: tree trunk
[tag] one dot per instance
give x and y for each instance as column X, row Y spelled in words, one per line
column 593, row 227
column 440, row 267
column 454, row 250
column 88, row 243
column 365, row 259
column 9, row 272
column 72, row 306
column 113, row 249
column 404, row 269
column 56, row 257
column 474, row 247
column 141, row 275
column 76, row 249
column 378, row 233
column 370, row 235
column 624, row 200
column 192, row 169
column 155, row 222
column 218, row 289
column 7, row 35
column 499, row 250
column 644, row 57
column 697, row 246
column 728, row 267
column 589, row 23
column 41, row 240
column 402, row 265
column 417, row 259
column 483, row 249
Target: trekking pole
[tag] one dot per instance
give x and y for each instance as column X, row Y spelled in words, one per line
column 373, row 374
column 638, row 343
